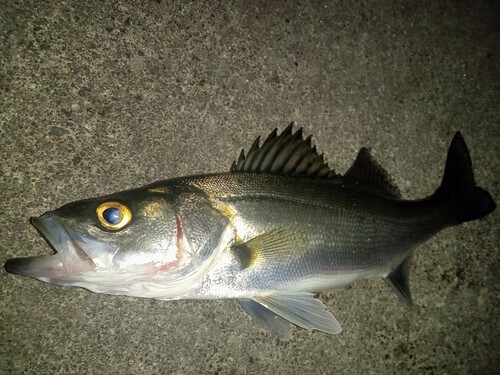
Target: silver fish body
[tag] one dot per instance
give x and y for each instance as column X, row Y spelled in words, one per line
column 277, row 228
column 310, row 235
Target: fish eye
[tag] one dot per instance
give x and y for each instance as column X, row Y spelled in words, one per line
column 113, row 215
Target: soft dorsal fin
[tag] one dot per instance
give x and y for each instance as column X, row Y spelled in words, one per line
column 366, row 171
column 287, row 153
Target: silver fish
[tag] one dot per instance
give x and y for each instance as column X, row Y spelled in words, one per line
column 277, row 228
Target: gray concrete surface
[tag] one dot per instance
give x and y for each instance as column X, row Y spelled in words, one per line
column 100, row 96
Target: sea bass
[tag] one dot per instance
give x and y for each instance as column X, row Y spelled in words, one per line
column 277, row 228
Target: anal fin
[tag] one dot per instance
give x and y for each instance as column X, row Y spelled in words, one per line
column 398, row 279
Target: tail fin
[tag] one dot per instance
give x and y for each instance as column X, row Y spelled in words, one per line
column 469, row 202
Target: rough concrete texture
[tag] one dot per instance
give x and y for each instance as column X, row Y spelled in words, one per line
column 100, row 96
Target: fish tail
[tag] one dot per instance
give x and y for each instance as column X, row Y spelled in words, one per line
column 458, row 187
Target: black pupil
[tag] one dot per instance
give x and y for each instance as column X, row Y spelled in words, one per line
column 112, row 215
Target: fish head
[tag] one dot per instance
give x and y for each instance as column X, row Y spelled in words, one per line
column 117, row 244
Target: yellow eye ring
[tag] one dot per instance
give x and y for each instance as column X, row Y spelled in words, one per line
column 113, row 215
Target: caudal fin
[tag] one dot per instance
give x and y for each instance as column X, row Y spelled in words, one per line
column 468, row 201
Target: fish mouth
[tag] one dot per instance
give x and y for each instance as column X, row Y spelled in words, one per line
column 70, row 257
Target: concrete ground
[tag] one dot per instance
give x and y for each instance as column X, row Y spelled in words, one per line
column 100, row 96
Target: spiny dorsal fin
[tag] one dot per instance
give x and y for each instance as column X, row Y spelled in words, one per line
column 287, row 153
column 366, row 171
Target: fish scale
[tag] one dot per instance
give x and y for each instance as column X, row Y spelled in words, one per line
column 334, row 225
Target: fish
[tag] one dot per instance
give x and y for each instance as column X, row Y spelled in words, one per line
column 273, row 232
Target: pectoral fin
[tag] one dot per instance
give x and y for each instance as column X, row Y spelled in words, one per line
column 301, row 309
column 272, row 246
column 399, row 281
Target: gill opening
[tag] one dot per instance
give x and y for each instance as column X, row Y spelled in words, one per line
column 183, row 246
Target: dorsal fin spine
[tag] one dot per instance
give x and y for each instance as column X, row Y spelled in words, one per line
column 284, row 153
column 275, row 149
column 306, row 162
column 300, row 153
column 259, row 160
column 316, row 165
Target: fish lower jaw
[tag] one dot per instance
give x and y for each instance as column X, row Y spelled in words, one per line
column 127, row 284
column 46, row 266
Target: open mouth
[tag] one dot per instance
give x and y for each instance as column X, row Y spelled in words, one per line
column 68, row 259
